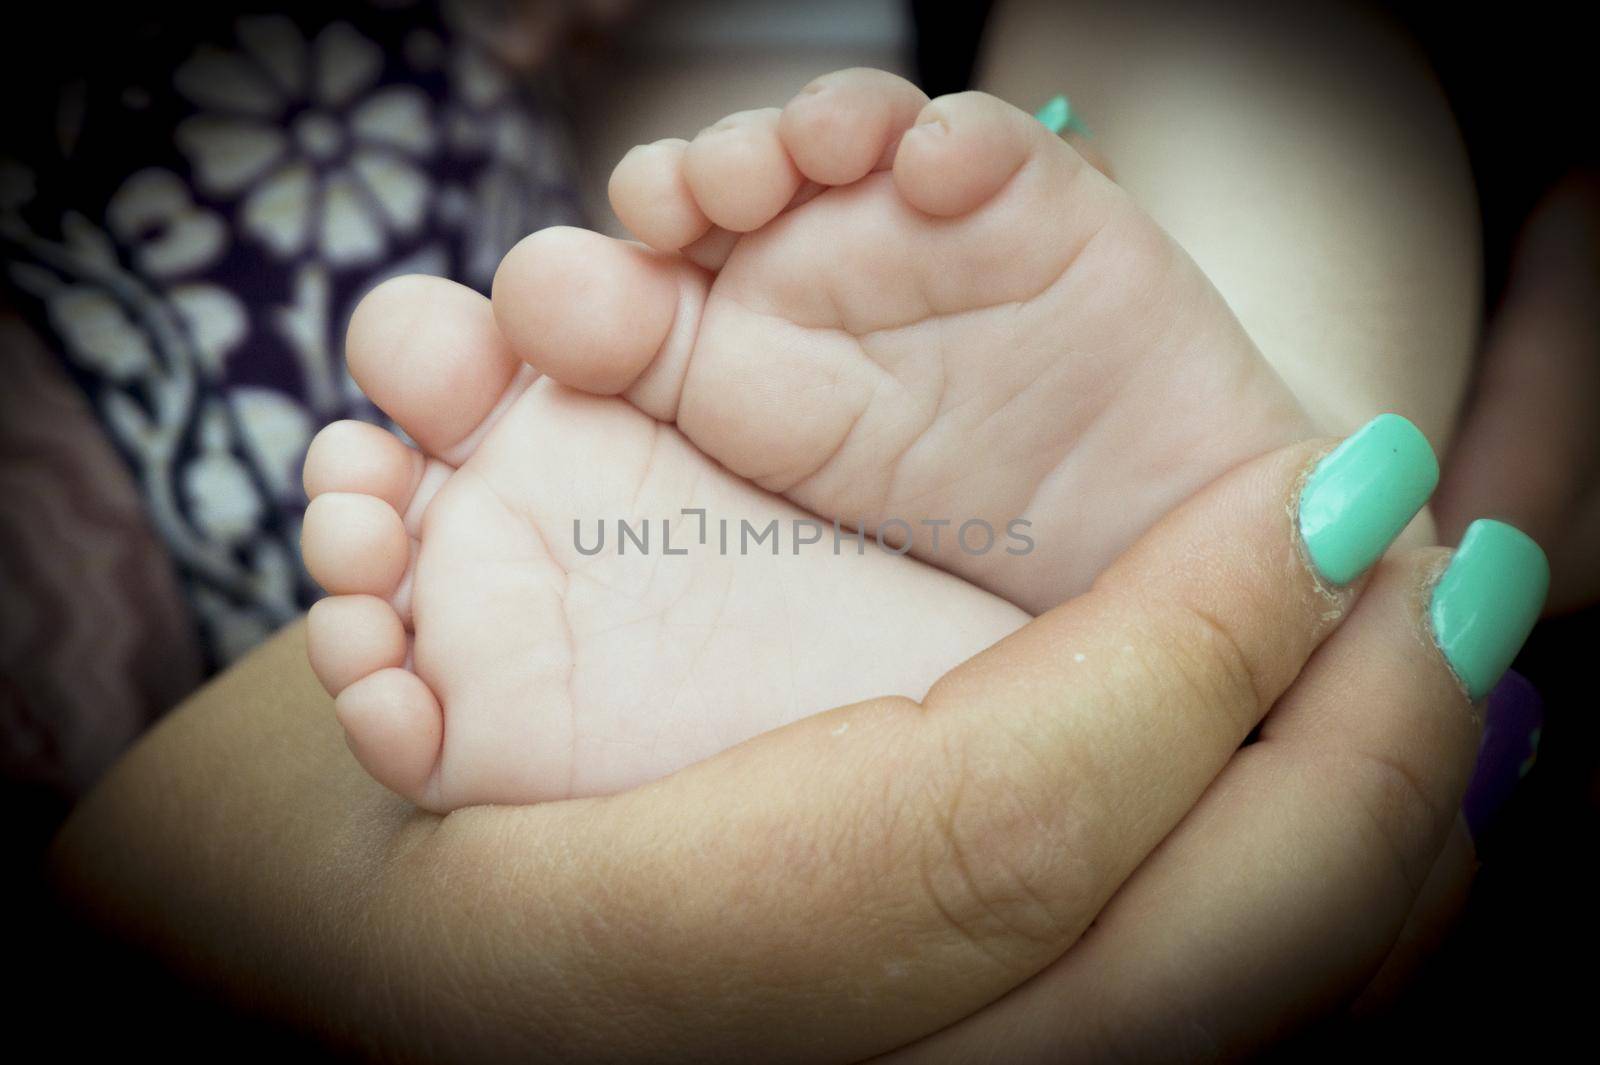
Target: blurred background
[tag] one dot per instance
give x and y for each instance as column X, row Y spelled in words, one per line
column 192, row 201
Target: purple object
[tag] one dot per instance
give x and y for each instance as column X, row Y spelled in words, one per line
column 1513, row 717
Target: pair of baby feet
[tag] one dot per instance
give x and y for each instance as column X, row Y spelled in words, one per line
column 931, row 322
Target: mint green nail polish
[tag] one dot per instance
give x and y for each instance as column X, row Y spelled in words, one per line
column 1363, row 493
column 1055, row 114
column 1058, row 117
column 1487, row 601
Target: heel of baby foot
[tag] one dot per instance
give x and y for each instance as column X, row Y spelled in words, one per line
column 394, row 726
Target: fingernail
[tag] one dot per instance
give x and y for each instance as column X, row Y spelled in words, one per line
column 1058, row 117
column 1055, row 114
column 1512, row 720
column 1486, row 602
column 1363, row 493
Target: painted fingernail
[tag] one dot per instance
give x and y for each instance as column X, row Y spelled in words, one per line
column 1512, row 720
column 1058, row 117
column 1055, row 114
column 1486, row 602
column 1363, row 493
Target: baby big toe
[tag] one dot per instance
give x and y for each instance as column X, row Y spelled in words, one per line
column 427, row 352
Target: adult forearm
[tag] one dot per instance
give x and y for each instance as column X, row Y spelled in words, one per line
column 238, row 839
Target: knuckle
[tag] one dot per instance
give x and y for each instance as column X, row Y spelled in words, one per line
column 1201, row 654
column 1006, row 867
column 1403, row 812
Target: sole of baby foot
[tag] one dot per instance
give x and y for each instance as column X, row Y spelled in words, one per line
column 929, row 319
column 494, row 635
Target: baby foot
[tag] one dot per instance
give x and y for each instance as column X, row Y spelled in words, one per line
column 900, row 314
column 480, row 653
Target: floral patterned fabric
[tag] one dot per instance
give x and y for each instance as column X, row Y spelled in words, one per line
column 194, row 236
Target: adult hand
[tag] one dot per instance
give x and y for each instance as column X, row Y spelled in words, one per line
column 871, row 875
column 1528, row 449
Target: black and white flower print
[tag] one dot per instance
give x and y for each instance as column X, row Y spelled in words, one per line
column 199, row 285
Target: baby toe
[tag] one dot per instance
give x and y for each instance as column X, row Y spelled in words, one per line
column 358, row 457
column 427, row 352
column 354, row 544
column 349, row 637
column 739, row 171
column 846, row 124
column 963, row 150
column 395, row 728
column 652, row 198
column 589, row 311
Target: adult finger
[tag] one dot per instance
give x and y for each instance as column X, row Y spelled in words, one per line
column 1528, row 449
column 830, row 890
column 863, row 877
column 1513, row 716
column 1282, row 893
column 1439, row 906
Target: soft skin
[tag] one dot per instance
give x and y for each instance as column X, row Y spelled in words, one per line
column 866, row 877
column 886, row 311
